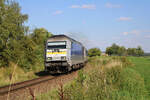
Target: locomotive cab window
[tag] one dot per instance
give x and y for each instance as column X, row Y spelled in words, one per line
column 56, row 45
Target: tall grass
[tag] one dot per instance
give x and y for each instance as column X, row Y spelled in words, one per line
column 104, row 78
column 109, row 79
column 18, row 76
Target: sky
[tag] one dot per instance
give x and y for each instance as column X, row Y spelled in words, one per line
column 95, row 23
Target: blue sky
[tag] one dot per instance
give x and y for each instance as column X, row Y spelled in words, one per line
column 96, row 23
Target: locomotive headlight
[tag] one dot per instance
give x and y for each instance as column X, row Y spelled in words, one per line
column 63, row 57
column 49, row 58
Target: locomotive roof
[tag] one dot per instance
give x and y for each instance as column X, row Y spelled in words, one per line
column 64, row 36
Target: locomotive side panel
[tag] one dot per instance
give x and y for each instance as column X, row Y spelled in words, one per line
column 77, row 53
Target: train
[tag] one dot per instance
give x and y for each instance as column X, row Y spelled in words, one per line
column 64, row 54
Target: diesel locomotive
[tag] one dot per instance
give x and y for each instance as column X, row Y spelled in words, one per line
column 63, row 54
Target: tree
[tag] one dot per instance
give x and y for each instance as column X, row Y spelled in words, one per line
column 15, row 44
column 115, row 48
column 109, row 51
column 140, row 52
column 112, row 50
column 122, row 51
column 135, row 51
column 12, row 30
column 39, row 35
column 94, row 52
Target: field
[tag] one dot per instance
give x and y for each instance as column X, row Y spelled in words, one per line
column 107, row 78
column 142, row 66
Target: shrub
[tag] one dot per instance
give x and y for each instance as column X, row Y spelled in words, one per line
column 94, row 52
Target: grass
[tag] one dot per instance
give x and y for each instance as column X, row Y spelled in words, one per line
column 51, row 95
column 105, row 78
column 142, row 66
column 19, row 74
column 110, row 78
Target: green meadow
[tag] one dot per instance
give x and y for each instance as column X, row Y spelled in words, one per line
column 142, row 66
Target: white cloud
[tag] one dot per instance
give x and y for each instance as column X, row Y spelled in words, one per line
column 58, row 12
column 84, row 6
column 75, row 6
column 125, row 33
column 88, row 6
column 135, row 32
column 124, row 19
column 109, row 5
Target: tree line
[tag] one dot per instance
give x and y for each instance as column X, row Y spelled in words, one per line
column 17, row 43
column 117, row 50
column 122, row 51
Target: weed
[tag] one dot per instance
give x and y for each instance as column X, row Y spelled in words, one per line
column 32, row 94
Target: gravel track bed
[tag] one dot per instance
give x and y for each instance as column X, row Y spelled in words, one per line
column 38, row 86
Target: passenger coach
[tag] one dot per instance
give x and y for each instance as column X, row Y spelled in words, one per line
column 62, row 54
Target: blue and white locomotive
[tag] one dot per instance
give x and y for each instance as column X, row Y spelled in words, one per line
column 62, row 54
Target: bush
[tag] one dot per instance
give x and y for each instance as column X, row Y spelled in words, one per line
column 94, row 52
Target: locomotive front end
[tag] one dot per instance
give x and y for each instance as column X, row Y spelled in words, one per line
column 56, row 56
column 56, row 51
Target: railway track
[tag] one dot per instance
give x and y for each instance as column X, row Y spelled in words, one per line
column 20, row 91
column 20, row 85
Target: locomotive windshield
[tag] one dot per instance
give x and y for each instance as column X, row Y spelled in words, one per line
column 56, row 45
